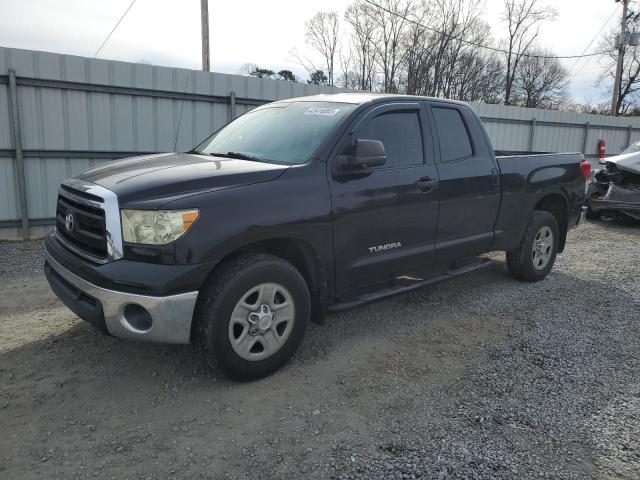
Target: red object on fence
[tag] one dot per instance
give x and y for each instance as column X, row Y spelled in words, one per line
column 602, row 148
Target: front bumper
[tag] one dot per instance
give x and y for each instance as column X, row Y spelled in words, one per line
column 164, row 319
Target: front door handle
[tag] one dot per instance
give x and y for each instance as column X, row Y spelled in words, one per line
column 426, row 184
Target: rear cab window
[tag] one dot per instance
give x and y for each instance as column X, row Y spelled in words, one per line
column 453, row 135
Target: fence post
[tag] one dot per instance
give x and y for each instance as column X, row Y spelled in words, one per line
column 629, row 136
column 532, row 134
column 585, row 138
column 17, row 144
column 232, row 105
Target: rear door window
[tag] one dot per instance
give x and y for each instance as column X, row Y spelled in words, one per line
column 453, row 135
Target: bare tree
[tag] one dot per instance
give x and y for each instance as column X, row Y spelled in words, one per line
column 303, row 60
column 461, row 51
column 445, row 55
column 588, row 106
column 392, row 28
column 247, row 68
column 444, row 48
column 450, row 23
column 478, row 77
column 362, row 52
column 418, row 43
column 322, row 34
column 629, row 92
column 348, row 78
column 541, row 82
column 523, row 19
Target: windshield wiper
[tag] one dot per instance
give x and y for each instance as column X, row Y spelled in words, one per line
column 239, row 156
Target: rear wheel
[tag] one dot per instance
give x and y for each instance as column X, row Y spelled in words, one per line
column 252, row 315
column 536, row 253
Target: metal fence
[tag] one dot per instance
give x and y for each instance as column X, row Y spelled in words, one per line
column 536, row 130
column 61, row 114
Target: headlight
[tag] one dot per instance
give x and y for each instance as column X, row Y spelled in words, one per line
column 156, row 227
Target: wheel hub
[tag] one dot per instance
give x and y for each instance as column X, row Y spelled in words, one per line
column 542, row 248
column 260, row 321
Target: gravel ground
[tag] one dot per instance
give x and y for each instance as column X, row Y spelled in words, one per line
column 481, row 377
column 20, row 260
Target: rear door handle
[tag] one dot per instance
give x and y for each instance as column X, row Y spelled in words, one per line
column 426, row 184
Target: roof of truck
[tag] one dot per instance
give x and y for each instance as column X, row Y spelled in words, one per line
column 364, row 97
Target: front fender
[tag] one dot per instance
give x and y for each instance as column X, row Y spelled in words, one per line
column 297, row 206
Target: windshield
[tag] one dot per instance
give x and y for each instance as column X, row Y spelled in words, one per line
column 283, row 133
column 633, row 148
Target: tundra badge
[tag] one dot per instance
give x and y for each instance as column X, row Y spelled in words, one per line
column 382, row 248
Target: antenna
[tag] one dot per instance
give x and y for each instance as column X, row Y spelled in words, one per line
column 184, row 94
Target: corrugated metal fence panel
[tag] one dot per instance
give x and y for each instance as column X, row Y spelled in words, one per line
column 116, row 106
column 510, row 129
column 68, row 119
column 5, row 134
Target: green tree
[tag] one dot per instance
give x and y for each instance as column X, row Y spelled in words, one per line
column 262, row 73
column 287, row 76
column 318, row 78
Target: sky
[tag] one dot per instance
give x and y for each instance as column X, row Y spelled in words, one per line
column 264, row 32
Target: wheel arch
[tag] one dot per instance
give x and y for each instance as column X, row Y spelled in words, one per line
column 301, row 255
column 557, row 205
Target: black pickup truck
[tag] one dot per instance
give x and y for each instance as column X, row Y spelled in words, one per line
column 297, row 208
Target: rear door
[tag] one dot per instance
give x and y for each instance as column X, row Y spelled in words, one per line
column 384, row 217
column 469, row 186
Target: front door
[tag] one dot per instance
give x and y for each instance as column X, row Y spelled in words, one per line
column 385, row 217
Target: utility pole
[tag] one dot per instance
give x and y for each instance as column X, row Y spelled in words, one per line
column 204, row 18
column 621, row 46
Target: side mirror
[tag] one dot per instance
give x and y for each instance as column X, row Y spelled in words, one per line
column 366, row 154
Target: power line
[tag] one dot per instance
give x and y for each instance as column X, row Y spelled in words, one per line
column 114, row 28
column 604, row 25
column 475, row 44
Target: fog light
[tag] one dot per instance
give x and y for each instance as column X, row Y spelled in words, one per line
column 137, row 318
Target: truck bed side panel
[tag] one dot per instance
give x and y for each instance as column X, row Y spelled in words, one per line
column 526, row 180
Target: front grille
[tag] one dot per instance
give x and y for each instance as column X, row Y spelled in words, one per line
column 88, row 232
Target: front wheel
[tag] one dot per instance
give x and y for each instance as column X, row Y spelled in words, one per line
column 252, row 315
column 534, row 257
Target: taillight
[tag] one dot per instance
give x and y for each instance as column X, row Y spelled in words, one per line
column 585, row 168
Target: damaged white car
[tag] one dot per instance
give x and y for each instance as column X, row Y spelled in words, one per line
column 615, row 190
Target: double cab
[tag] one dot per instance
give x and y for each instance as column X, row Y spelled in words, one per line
column 296, row 208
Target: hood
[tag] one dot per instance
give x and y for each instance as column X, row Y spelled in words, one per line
column 164, row 177
column 629, row 162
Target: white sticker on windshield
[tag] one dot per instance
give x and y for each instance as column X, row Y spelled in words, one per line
column 324, row 111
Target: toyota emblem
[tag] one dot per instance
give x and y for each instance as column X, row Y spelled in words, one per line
column 68, row 221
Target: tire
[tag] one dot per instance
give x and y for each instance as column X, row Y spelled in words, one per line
column 236, row 332
column 523, row 262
